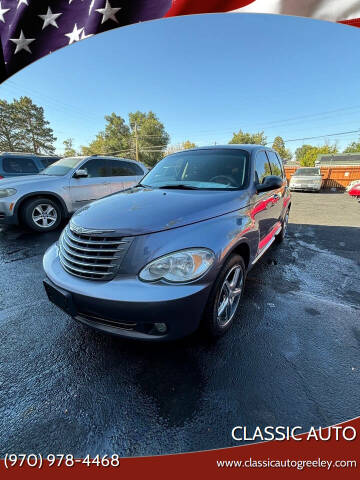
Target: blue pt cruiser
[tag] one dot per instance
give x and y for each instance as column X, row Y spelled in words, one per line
column 159, row 260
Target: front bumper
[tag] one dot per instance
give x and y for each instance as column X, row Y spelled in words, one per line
column 128, row 307
column 7, row 216
column 304, row 187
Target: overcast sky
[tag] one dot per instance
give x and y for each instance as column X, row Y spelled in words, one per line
column 205, row 76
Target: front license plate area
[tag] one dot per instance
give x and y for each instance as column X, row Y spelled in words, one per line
column 60, row 298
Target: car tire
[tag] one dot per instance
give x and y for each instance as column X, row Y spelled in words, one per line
column 284, row 224
column 229, row 286
column 42, row 214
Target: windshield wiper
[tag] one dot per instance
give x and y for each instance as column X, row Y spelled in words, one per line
column 180, row 186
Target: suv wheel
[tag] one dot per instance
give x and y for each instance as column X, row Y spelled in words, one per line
column 42, row 214
column 280, row 237
column 225, row 297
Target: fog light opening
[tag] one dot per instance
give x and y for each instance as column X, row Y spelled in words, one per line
column 160, row 327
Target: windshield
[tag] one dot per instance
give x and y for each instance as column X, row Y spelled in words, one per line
column 307, row 171
column 208, row 169
column 62, row 167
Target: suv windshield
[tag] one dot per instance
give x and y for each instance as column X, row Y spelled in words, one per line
column 307, row 171
column 208, row 169
column 62, row 167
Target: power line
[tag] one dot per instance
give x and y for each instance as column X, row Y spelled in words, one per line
column 318, row 136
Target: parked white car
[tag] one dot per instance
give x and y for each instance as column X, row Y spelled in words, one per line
column 306, row 179
column 42, row 201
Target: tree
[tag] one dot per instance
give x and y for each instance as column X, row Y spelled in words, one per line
column 279, row 146
column 97, row 146
column 12, row 138
column 144, row 134
column 23, row 127
column 187, row 145
column 249, row 138
column 301, row 152
column 38, row 136
column 114, row 140
column 308, row 159
column 69, row 149
column 354, row 147
column 179, row 147
column 150, row 136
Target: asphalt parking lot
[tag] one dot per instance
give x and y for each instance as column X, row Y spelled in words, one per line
column 293, row 357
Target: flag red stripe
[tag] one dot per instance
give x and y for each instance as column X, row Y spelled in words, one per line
column 188, row 7
column 354, row 22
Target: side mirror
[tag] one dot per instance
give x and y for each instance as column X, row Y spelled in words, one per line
column 81, row 173
column 271, row 182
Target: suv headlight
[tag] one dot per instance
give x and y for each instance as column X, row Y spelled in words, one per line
column 7, row 192
column 179, row 267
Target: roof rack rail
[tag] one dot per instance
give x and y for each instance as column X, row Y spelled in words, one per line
column 30, row 153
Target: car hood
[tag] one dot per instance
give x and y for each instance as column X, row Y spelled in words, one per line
column 14, row 182
column 139, row 210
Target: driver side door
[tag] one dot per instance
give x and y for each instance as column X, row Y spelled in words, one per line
column 264, row 201
column 96, row 185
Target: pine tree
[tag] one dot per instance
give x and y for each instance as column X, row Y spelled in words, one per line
column 279, row 146
column 12, row 137
column 30, row 119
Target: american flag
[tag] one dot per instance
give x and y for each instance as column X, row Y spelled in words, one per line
column 31, row 29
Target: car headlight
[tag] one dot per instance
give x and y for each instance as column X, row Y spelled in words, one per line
column 7, row 192
column 181, row 266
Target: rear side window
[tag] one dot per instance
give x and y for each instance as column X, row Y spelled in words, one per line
column 275, row 164
column 137, row 169
column 19, row 165
column 262, row 167
column 120, row 168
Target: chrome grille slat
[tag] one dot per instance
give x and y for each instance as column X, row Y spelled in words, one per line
column 93, row 257
column 87, row 255
column 77, row 262
column 83, row 275
column 78, row 239
column 81, row 270
column 85, row 249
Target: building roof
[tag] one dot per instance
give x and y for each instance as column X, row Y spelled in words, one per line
column 339, row 159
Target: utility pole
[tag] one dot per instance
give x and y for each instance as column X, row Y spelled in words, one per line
column 136, row 143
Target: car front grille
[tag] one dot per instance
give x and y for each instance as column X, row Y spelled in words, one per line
column 91, row 318
column 92, row 256
column 307, row 181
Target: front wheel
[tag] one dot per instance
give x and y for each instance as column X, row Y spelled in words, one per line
column 225, row 297
column 42, row 214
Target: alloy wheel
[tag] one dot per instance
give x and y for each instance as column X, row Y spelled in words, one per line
column 230, row 294
column 44, row 215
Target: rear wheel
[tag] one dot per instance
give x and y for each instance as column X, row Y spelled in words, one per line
column 225, row 297
column 42, row 214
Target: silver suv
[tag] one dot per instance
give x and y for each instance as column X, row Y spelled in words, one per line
column 42, row 201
